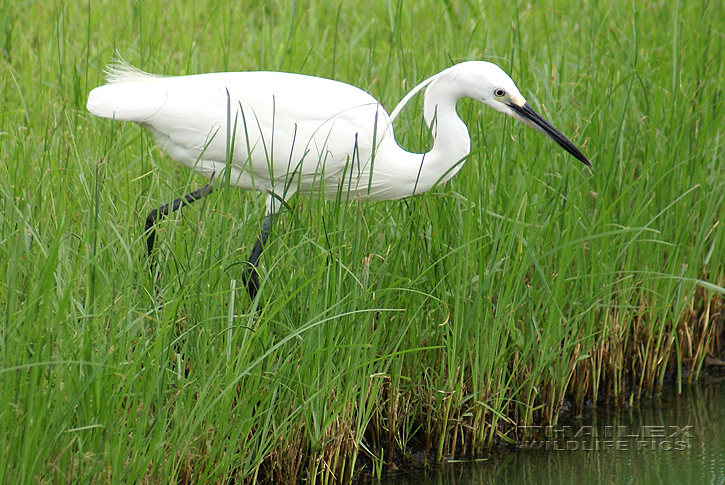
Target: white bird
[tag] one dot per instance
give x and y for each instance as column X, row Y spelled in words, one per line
column 288, row 133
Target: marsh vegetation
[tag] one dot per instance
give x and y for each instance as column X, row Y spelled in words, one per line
column 426, row 328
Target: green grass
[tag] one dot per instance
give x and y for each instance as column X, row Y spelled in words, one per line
column 438, row 322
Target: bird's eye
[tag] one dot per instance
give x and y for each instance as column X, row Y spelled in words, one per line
column 499, row 92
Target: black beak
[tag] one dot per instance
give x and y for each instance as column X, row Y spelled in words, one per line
column 527, row 114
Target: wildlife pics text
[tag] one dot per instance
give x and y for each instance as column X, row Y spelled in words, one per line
column 526, row 288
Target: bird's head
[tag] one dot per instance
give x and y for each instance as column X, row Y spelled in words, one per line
column 489, row 84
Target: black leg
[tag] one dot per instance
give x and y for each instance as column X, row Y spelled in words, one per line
column 164, row 210
column 250, row 278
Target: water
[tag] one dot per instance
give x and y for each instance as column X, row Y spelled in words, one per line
column 675, row 439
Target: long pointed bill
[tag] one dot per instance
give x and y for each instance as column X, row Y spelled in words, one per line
column 527, row 114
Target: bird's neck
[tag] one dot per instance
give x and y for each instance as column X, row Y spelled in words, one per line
column 451, row 143
column 398, row 173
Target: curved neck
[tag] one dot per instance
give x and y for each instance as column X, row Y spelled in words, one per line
column 451, row 142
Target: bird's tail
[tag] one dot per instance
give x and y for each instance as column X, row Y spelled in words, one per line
column 119, row 71
column 129, row 95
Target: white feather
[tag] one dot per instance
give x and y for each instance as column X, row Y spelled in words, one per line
column 296, row 132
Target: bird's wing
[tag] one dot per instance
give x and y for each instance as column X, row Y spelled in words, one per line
column 279, row 123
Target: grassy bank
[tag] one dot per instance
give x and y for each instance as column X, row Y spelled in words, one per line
column 433, row 324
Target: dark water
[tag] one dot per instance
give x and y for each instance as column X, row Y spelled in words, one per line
column 675, row 439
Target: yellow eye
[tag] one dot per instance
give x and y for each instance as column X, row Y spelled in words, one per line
column 499, row 92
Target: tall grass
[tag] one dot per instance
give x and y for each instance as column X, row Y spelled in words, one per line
column 435, row 324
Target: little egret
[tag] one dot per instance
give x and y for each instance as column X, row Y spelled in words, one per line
column 285, row 133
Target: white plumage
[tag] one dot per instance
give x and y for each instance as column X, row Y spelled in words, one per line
column 293, row 133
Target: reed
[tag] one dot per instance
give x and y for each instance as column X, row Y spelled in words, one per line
column 405, row 332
